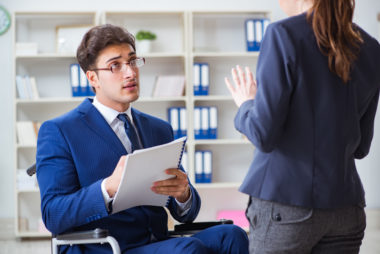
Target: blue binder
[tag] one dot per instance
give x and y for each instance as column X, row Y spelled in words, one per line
column 173, row 115
column 75, row 79
column 207, row 166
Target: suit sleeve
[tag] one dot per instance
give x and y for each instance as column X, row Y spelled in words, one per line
column 263, row 118
column 366, row 128
column 65, row 204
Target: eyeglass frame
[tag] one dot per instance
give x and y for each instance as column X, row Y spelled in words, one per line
column 126, row 63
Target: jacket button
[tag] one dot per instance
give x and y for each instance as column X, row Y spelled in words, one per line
column 277, row 217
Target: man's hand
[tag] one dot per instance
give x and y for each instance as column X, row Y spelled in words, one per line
column 245, row 87
column 112, row 182
column 177, row 186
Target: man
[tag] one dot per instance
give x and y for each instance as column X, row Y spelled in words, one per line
column 80, row 158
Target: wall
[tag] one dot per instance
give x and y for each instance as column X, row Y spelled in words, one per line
column 365, row 16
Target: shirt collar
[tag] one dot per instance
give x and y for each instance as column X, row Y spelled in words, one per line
column 108, row 113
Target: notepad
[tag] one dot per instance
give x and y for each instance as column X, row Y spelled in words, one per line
column 141, row 169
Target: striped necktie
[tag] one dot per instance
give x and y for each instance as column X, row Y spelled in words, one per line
column 130, row 131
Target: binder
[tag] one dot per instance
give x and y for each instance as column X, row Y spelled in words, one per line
column 197, row 122
column 213, row 123
column 33, row 84
column 141, row 169
column 258, row 33
column 28, row 86
column 207, row 166
column 21, row 87
column 205, row 80
column 196, row 78
column 265, row 25
column 74, row 79
column 249, row 35
column 83, row 82
column 182, row 122
column 174, row 121
column 204, row 123
column 198, row 167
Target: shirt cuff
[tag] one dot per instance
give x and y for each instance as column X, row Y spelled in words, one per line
column 107, row 199
column 183, row 208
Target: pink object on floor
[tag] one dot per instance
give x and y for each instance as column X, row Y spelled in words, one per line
column 238, row 217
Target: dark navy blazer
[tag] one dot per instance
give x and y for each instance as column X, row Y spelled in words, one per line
column 75, row 152
column 308, row 127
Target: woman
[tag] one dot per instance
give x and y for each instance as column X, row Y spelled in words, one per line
column 318, row 82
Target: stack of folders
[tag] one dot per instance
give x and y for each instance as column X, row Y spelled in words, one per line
column 254, row 33
column 203, row 166
column 205, row 122
column 27, row 87
column 177, row 119
column 79, row 83
column 201, row 79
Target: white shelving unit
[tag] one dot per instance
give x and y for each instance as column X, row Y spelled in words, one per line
column 182, row 39
column 51, row 71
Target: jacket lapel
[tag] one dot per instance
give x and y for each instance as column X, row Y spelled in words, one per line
column 143, row 127
column 95, row 121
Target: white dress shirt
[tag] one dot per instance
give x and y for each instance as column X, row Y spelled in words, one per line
column 110, row 115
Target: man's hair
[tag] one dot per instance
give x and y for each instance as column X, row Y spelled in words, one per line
column 97, row 39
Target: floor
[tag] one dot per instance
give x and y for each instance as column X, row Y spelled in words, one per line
column 371, row 243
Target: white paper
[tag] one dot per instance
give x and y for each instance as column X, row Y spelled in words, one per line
column 141, row 169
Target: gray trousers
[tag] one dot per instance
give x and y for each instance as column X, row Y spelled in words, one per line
column 276, row 228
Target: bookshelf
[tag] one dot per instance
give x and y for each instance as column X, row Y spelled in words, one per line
column 182, row 39
column 51, row 70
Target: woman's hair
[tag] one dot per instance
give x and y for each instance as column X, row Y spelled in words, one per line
column 337, row 37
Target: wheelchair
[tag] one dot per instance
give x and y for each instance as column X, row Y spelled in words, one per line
column 101, row 236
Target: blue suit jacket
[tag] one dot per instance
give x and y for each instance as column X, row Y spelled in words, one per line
column 75, row 152
column 307, row 125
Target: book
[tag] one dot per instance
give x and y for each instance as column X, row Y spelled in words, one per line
column 141, row 169
column 169, row 86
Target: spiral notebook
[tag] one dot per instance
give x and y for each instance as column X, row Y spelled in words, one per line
column 141, row 169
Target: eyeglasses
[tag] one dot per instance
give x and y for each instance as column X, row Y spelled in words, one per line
column 118, row 67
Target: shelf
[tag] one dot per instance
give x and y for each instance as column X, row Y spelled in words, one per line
column 221, row 142
column 212, row 98
column 80, row 99
column 216, row 185
column 226, row 54
column 18, row 146
column 28, row 191
column 45, row 56
column 162, row 55
column 33, row 234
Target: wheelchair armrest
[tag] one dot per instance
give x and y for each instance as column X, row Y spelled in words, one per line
column 90, row 234
column 194, row 227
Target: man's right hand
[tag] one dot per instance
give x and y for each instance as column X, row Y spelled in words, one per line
column 112, row 182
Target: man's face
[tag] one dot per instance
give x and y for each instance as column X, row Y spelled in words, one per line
column 116, row 90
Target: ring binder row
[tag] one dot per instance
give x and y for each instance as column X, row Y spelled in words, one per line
column 254, row 33
column 205, row 122
column 79, row 83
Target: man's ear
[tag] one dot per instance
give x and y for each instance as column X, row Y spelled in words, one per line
column 92, row 77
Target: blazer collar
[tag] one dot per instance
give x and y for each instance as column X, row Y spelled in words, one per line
column 96, row 122
column 99, row 125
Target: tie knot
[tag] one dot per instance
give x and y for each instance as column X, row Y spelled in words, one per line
column 124, row 118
